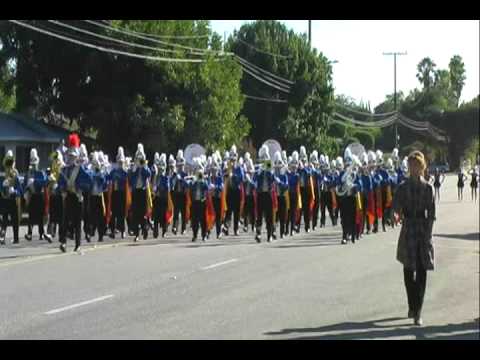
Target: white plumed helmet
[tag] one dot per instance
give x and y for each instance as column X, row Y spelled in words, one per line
column 34, row 159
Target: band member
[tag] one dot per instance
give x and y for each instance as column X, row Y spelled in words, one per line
column 199, row 192
column 97, row 206
column 74, row 181
column 162, row 197
column 336, row 166
column 281, row 183
column 345, row 192
column 34, row 192
column 235, row 177
column 55, row 207
column 294, row 193
column 306, row 188
column 249, row 215
column 118, row 192
column 317, row 180
column 378, row 182
column 390, row 186
column 179, row 188
column 402, row 171
column 368, row 197
column 264, row 181
column 327, row 192
column 85, row 163
column 139, row 177
column 219, row 196
column 11, row 192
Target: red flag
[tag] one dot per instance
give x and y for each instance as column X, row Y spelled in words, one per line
column 311, row 197
column 334, row 199
column 47, row 202
column 188, row 205
column 223, row 204
column 371, row 207
column 109, row 204
column 209, row 213
column 242, row 200
column 128, row 198
column 378, row 201
column 169, row 212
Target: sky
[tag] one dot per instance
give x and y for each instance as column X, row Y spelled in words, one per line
column 364, row 73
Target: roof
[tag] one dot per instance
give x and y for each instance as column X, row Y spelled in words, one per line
column 15, row 127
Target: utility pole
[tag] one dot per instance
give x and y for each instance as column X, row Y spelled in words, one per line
column 395, row 88
column 310, row 33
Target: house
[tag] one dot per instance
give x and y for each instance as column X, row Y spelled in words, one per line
column 20, row 134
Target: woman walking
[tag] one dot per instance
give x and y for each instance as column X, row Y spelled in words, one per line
column 439, row 178
column 415, row 202
column 461, row 183
column 474, row 182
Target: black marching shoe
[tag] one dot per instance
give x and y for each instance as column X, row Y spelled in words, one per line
column 145, row 234
column 269, row 239
column 47, row 237
column 204, row 239
column 112, row 235
column 194, row 239
column 122, row 235
column 28, row 237
column 135, row 239
column 174, row 231
column 344, row 241
column 184, row 232
column 274, row 237
column 257, row 238
column 63, row 247
column 77, row 247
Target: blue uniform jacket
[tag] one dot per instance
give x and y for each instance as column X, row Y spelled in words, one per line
column 83, row 182
column 199, row 190
column 118, row 177
column 40, row 180
column 304, row 174
column 177, row 181
column 238, row 177
column 367, row 183
column 99, row 182
column 282, row 183
column 262, row 176
column 144, row 173
column 293, row 179
column 218, row 185
column 161, row 187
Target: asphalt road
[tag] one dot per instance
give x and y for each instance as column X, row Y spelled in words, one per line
column 306, row 287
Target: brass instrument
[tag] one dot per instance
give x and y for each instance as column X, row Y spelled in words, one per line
column 10, row 176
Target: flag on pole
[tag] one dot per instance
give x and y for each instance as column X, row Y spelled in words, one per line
column 188, row 205
column 378, row 198
column 209, row 213
column 169, row 212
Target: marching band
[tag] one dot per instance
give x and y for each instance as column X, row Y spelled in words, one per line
column 284, row 192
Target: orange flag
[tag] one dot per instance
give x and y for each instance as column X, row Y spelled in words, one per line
column 223, row 204
column 128, row 198
column 169, row 212
column 388, row 200
column 371, row 207
column 378, row 195
column 311, row 196
column 209, row 213
column 109, row 203
column 334, row 199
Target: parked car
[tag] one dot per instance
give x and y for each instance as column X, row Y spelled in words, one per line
column 443, row 168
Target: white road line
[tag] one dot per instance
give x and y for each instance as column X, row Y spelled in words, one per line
column 219, row 264
column 51, row 312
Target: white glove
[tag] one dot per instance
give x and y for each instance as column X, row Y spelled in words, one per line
column 54, row 186
column 51, row 178
column 11, row 190
column 5, row 183
column 30, row 182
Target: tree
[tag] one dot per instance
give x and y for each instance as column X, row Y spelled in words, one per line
column 425, row 72
column 304, row 120
column 457, row 77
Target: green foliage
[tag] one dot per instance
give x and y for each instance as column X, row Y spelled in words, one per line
column 304, row 120
column 126, row 100
column 472, row 151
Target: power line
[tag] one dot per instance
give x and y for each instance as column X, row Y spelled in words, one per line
column 265, row 99
column 77, row 29
column 364, row 113
column 103, row 49
column 380, row 123
column 263, row 70
column 263, row 51
column 130, row 33
column 165, row 36
column 265, row 81
column 286, row 87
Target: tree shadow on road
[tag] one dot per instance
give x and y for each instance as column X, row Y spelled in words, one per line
column 375, row 329
column 471, row 236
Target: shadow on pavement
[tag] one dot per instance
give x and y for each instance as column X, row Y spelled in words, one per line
column 471, row 236
column 376, row 330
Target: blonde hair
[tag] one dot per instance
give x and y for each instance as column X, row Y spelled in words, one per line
column 417, row 157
